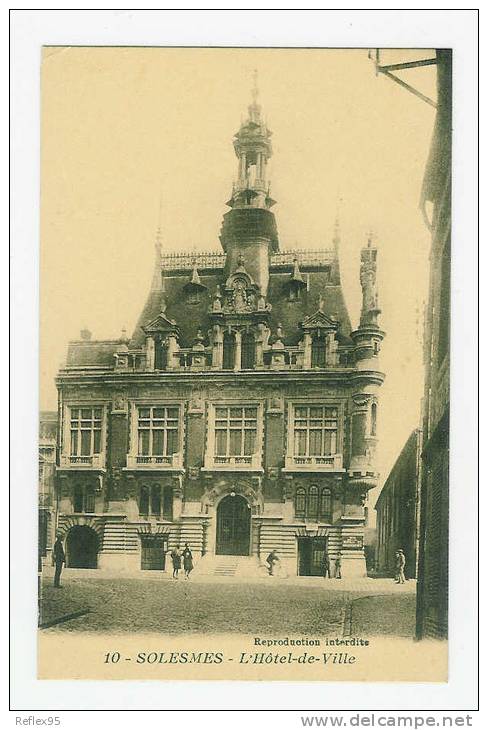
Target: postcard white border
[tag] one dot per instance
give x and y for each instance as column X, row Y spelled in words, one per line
column 31, row 29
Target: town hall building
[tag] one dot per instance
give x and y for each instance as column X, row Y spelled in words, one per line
column 239, row 417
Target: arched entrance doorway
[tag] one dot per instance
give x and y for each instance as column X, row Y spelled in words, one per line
column 81, row 547
column 233, row 526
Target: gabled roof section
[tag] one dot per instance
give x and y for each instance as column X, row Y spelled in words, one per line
column 318, row 319
column 161, row 323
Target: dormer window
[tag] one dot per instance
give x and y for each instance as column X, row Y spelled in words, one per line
column 161, row 354
column 194, row 289
column 193, row 296
column 295, row 285
column 248, row 351
column 229, row 351
column 318, row 350
column 294, row 292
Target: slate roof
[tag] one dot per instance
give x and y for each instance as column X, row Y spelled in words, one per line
column 91, row 352
column 191, row 317
column 318, row 269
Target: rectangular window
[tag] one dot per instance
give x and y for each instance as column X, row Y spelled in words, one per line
column 158, row 429
column 315, row 430
column 83, row 498
column 85, row 431
column 235, row 430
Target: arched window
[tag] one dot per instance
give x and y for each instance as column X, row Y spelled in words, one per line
column 229, row 351
column 318, row 351
column 313, row 503
column 326, row 505
column 161, row 355
column 374, row 417
column 248, row 351
column 144, row 501
column 300, row 502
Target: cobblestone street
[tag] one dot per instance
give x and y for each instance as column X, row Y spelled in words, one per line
column 299, row 606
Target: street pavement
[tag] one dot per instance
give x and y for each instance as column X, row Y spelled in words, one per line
column 209, row 605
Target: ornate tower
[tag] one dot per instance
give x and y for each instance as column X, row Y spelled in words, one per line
column 249, row 233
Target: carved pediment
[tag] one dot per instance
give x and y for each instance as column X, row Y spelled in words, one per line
column 319, row 320
column 161, row 323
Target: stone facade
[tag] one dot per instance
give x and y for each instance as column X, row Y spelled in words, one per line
column 240, row 416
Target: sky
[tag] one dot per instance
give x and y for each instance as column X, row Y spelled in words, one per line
column 133, row 138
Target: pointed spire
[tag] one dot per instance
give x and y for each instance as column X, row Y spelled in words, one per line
column 254, row 108
column 255, row 89
column 371, row 237
column 337, row 235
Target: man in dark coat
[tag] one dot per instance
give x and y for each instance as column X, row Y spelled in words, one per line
column 58, row 559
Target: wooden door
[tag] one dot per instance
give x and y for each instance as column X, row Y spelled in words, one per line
column 233, row 526
column 153, row 552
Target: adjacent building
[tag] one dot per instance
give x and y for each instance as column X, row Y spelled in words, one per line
column 398, row 511
column 241, row 414
column 432, row 593
column 48, row 425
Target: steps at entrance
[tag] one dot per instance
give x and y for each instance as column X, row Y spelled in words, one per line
column 227, row 566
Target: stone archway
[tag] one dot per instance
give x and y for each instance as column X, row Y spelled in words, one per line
column 219, row 488
column 82, row 546
column 233, row 525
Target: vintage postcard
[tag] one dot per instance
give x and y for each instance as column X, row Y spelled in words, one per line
column 244, row 363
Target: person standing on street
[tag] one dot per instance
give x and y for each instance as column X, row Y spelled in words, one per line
column 58, row 559
column 401, row 566
column 338, row 573
column 176, row 560
column 326, row 565
column 187, row 561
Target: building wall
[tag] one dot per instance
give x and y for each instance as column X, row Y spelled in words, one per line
column 432, row 593
column 48, row 423
column 397, row 512
column 196, row 484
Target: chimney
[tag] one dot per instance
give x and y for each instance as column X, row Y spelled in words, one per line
column 85, row 335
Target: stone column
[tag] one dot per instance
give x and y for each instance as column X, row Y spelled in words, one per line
column 177, row 498
column 237, row 360
column 259, row 347
column 150, row 353
column 217, row 348
column 307, row 350
column 172, row 350
column 359, row 419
